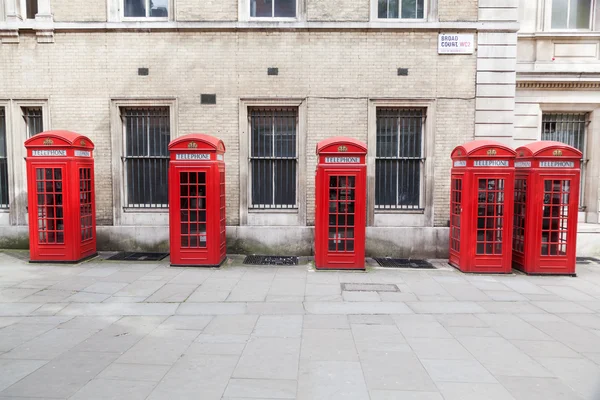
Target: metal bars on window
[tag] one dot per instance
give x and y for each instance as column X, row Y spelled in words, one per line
column 399, row 159
column 34, row 121
column 568, row 128
column 3, row 162
column 273, row 157
column 146, row 161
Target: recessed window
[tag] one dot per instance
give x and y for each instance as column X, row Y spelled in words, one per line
column 146, row 156
column 146, row 8
column 401, row 9
column 31, row 7
column 571, row 14
column 399, row 159
column 273, row 157
column 570, row 129
column 273, row 8
column 34, row 121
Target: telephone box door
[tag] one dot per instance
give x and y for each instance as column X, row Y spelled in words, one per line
column 342, row 218
column 191, row 221
column 49, row 209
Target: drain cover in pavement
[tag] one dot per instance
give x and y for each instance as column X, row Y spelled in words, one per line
column 369, row 287
column 403, row 263
column 271, row 260
column 131, row 256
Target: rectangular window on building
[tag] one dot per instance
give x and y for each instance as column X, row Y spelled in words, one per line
column 3, row 162
column 34, row 121
column 568, row 128
column 146, row 8
column 273, row 8
column 31, row 7
column 571, row 14
column 399, row 159
column 146, row 162
column 401, row 9
column 273, row 157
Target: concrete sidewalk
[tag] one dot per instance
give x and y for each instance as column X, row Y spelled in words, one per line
column 114, row 330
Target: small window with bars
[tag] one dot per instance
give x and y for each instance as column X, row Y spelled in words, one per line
column 568, row 128
column 273, row 157
column 147, row 134
column 34, row 121
column 3, row 162
column 399, row 159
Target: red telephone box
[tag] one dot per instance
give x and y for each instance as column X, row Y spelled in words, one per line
column 547, row 182
column 61, row 202
column 481, row 207
column 197, row 201
column 340, row 204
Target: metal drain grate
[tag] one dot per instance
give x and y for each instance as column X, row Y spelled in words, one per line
column 271, row 260
column 404, row 263
column 587, row 260
column 369, row 287
column 131, row 256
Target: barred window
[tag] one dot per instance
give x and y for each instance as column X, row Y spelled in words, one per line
column 273, row 157
column 146, row 162
column 568, row 128
column 399, row 158
column 404, row 9
column 34, row 121
column 3, row 162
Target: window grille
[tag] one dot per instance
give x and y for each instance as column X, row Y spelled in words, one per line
column 3, row 162
column 399, row 158
column 33, row 120
column 273, row 157
column 405, row 9
column 568, row 128
column 146, row 161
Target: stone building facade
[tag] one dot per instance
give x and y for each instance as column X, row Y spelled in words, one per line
column 130, row 74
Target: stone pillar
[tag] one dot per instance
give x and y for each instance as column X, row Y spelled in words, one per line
column 496, row 73
column 44, row 13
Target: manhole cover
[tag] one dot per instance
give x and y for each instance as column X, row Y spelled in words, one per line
column 403, row 263
column 131, row 256
column 369, row 287
column 587, row 260
column 271, row 260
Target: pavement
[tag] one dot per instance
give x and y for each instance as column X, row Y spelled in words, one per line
column 144, row 330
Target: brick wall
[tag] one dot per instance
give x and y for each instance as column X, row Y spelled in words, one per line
column 337, row 10
column 78, row 10
column 336, row 72
column 457, row 10
column 207, row 10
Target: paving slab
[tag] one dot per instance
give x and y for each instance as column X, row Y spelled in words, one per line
column 108, row 389
column 62, row 377
column 262, row 388
column 334, row 380
column 269, row 358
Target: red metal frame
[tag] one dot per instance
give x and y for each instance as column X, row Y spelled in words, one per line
column 481, row 207
column 197, row 201
column 548, row 178
column 61, row 199
column 340, row 204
